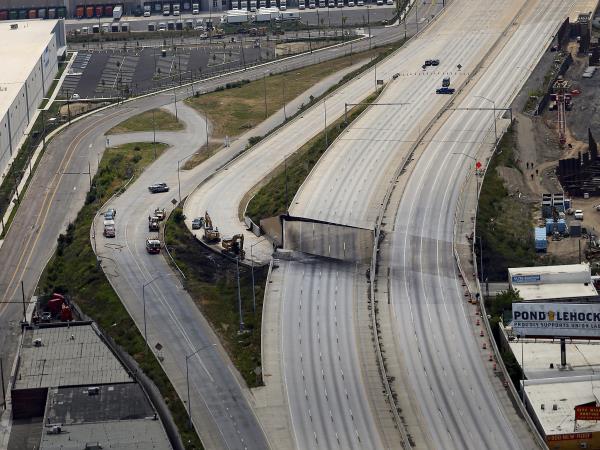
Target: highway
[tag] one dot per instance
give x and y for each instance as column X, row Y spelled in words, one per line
column 445, row 366
column 57, row 190
column 341, row 189
column 347, row 187
column 243, row 174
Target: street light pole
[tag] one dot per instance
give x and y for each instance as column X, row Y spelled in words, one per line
column 325, row 106
column 154, row 134
column 493, row 115
column 265, row 91
column 175, row 97
column 239, row 294
column 252, row 269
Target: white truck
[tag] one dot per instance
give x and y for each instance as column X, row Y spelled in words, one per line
column 147, row 10
column 166, row 9
column 117, row 12
column 266, row 15
column 301, row 4
column 176, row 9
column 195, row 8
column 253, row 5
column 282, row 5
column 240, row 17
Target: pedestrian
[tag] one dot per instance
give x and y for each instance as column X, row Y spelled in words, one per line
column 532, row 176
column 536, row 171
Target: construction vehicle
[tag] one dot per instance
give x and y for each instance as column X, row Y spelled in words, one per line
column 153, row 246
column 210, row 234
column 153, row 224
column 160, row 214
column 235, row 245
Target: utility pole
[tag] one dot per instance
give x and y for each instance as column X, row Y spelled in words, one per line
column 283, row 94
column 175, row 97
column 24, row 308
column 369, row 25
column 239, row 294
column 325, row 107
column 154, row 134
column 265, row 90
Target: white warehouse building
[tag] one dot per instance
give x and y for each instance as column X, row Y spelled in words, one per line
column 29, row 57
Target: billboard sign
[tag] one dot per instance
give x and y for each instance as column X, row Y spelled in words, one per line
column 556, row 319
column 522, row 279
column 587, row 412
column 568, row 437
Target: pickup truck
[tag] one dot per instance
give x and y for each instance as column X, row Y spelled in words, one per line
column 160, row 214
column 445, row 90
column 158, row 187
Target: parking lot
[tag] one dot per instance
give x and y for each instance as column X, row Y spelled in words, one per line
column 113, row 73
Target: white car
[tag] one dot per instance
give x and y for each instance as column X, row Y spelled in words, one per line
column 350, row 4
column 578, row 214
column 146, row 13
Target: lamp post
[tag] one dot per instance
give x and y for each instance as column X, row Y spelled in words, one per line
column 325, row 108
column 187, row 378
column 179, row 161
column 239, row 293
column 252, row 270
column 494, row 115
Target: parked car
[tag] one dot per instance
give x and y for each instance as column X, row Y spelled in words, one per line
column 158, row 187
column 578, row 214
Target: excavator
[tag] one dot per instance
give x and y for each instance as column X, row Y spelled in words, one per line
column 210, row 234
column 235, row 245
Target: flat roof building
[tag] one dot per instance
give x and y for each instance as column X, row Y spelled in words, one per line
column 29, row 64
column 548, row 283
column 67, row 374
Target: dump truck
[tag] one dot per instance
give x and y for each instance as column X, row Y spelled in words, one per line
column 211, row 234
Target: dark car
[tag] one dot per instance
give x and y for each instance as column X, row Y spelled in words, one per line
column 197, row 223
column 428, row 62
column 158, row 187
column 435, row 62
column 444, row 90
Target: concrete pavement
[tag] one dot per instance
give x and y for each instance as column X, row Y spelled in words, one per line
column 445, row 358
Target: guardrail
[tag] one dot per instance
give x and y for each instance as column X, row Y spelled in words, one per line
column 516, row 400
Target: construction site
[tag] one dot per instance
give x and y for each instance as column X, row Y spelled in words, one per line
column 551, row 172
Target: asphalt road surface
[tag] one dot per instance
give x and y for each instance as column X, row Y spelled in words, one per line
column 244, row 173
column 348, row 186
column 446, row 370
column 57, row 190
column 220, row 413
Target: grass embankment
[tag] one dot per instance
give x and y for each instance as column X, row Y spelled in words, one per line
column 504, row 223
column 159, row 118
column 238, row 107
column 211, row 281
column 234, row 111
column 270, row 198
column 73, row 270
